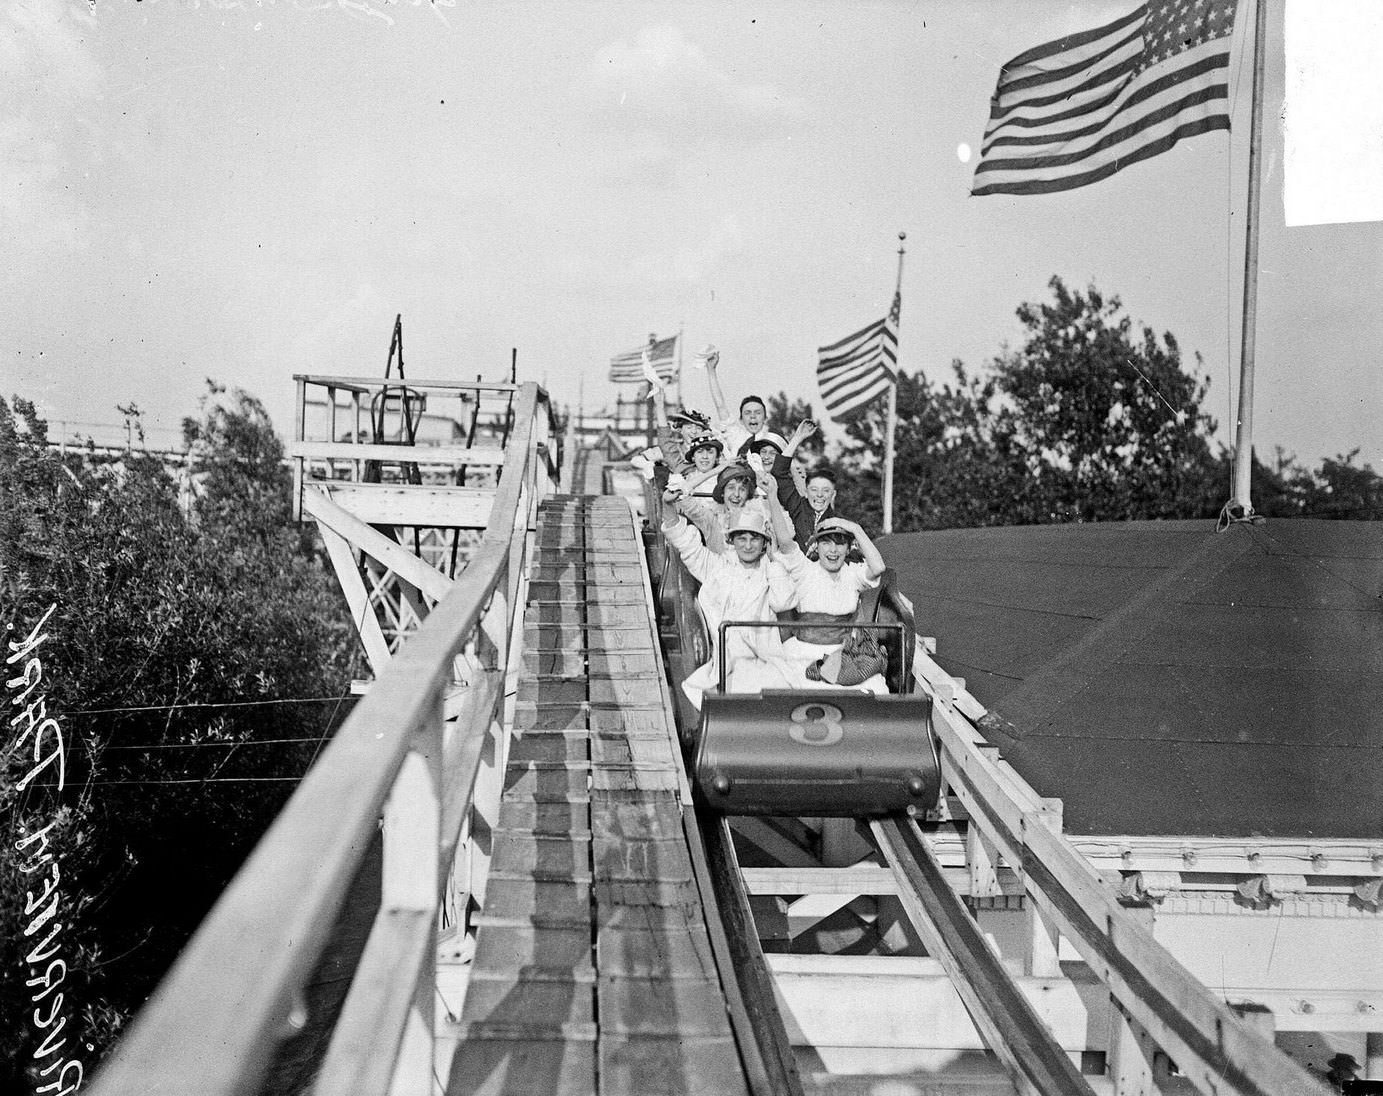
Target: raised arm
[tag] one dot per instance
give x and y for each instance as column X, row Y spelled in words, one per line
column 713, row 379
column 689, row 543
column 873, row 561
column 782, row 524
column 805, row 429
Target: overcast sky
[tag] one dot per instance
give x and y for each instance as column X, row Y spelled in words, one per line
column 245, row 190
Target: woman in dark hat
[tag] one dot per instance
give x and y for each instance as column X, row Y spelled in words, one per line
column 704, row 452
column 732, row 496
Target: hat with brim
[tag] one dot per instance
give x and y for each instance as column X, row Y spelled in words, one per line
column 753, row 445
column 705, row 441
column 749, row 521
column 830, row 532
column 729, row 475
column 689, row 418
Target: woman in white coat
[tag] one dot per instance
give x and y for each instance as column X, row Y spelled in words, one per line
column 742, row 583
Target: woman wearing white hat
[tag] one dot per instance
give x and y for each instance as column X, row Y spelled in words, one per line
column 742, row 583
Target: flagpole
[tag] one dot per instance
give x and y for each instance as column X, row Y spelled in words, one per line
column 892, row 414
column 1240, row 506
column 681, row 329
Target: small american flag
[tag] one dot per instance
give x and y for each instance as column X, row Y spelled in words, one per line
column 627, row 368
column 1074, row 111
column 853, row 371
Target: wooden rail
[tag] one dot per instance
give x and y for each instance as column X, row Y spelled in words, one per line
column 1162, row 1005
column 235, row 992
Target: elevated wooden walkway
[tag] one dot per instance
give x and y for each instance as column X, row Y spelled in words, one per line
column 593, row 970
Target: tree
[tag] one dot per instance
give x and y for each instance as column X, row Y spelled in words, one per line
column 1087, row 421
column 784, row 414
column 188, row 655
column 1343, row 490
column 947, row 470
column 1110, row 426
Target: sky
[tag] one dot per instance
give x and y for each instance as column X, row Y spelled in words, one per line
column 248, row 189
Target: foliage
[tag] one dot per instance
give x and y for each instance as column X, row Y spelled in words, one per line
column 1339, row 489
column 1087, row 421
column 163, row 613
column 783, row 416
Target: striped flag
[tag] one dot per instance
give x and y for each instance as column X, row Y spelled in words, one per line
column 627, row 368
column 1077, row 110
column 861, row 366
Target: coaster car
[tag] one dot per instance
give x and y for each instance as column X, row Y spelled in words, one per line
column 819, row 752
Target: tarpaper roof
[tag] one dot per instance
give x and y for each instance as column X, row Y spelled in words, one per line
column 1165, row 679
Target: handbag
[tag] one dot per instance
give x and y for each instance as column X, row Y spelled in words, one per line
column 858, row 659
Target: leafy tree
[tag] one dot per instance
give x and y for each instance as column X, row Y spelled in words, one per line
column 947, row 469
column 1110, row 425
column 1089, row 420
column 785, row 413
column 1343, row 490
column 181, row 645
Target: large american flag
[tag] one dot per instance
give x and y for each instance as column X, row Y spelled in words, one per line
column 627, row 368
column 853, row 371
column 1077, row 110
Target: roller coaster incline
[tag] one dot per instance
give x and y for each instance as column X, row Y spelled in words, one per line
column 519, row 743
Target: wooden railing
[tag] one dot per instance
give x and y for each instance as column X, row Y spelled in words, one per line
column 342, row 445
column 1160, row 1004
column 235, row 993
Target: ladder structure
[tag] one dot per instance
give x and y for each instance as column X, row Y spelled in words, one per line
column 553, row 915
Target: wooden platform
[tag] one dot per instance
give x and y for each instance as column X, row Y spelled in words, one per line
column 593, row 970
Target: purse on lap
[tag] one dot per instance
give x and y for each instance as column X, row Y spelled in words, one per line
column 859, row 659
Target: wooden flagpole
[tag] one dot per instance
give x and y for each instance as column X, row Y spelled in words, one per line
column 890, row 421
column 1240, row 506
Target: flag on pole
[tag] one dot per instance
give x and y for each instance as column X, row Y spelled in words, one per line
column 861, row 366
column 1074, row 111
column 627, row 368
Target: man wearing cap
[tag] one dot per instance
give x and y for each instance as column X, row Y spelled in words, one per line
column 740, row 583
column 809, row 507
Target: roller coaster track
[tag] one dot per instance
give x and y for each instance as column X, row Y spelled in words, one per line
column 555, row 914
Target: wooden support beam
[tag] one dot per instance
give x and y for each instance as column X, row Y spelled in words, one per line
column 396, row 504
column 396, row 454
column 1185, row 1019
column 358, row 598
column 1011, row 1027
column 398, row 559
column 981, row 862
column 383, row 1012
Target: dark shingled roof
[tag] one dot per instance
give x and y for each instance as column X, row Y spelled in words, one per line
column 1165, row 679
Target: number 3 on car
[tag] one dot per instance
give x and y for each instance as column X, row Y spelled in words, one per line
column 816, row 724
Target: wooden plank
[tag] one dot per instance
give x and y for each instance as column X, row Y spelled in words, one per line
column 398, row 559
column 1208, row 1042
column 358, row 599
column 213, row 1024
column 399, row 504
column 1011, row 1027
column 890, row 1002
column 495, row 1066
column 816, row 880
column 397, row 958
column 396, row 454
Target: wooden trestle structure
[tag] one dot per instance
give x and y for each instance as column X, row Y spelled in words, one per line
column 553, row 915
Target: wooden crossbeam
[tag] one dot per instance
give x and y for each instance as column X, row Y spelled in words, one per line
column 1004, row 1016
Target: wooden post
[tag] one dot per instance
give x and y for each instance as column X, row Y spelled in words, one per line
column 888, row 456
column 1240, row 507
column 299, row 424
column 891, row 421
